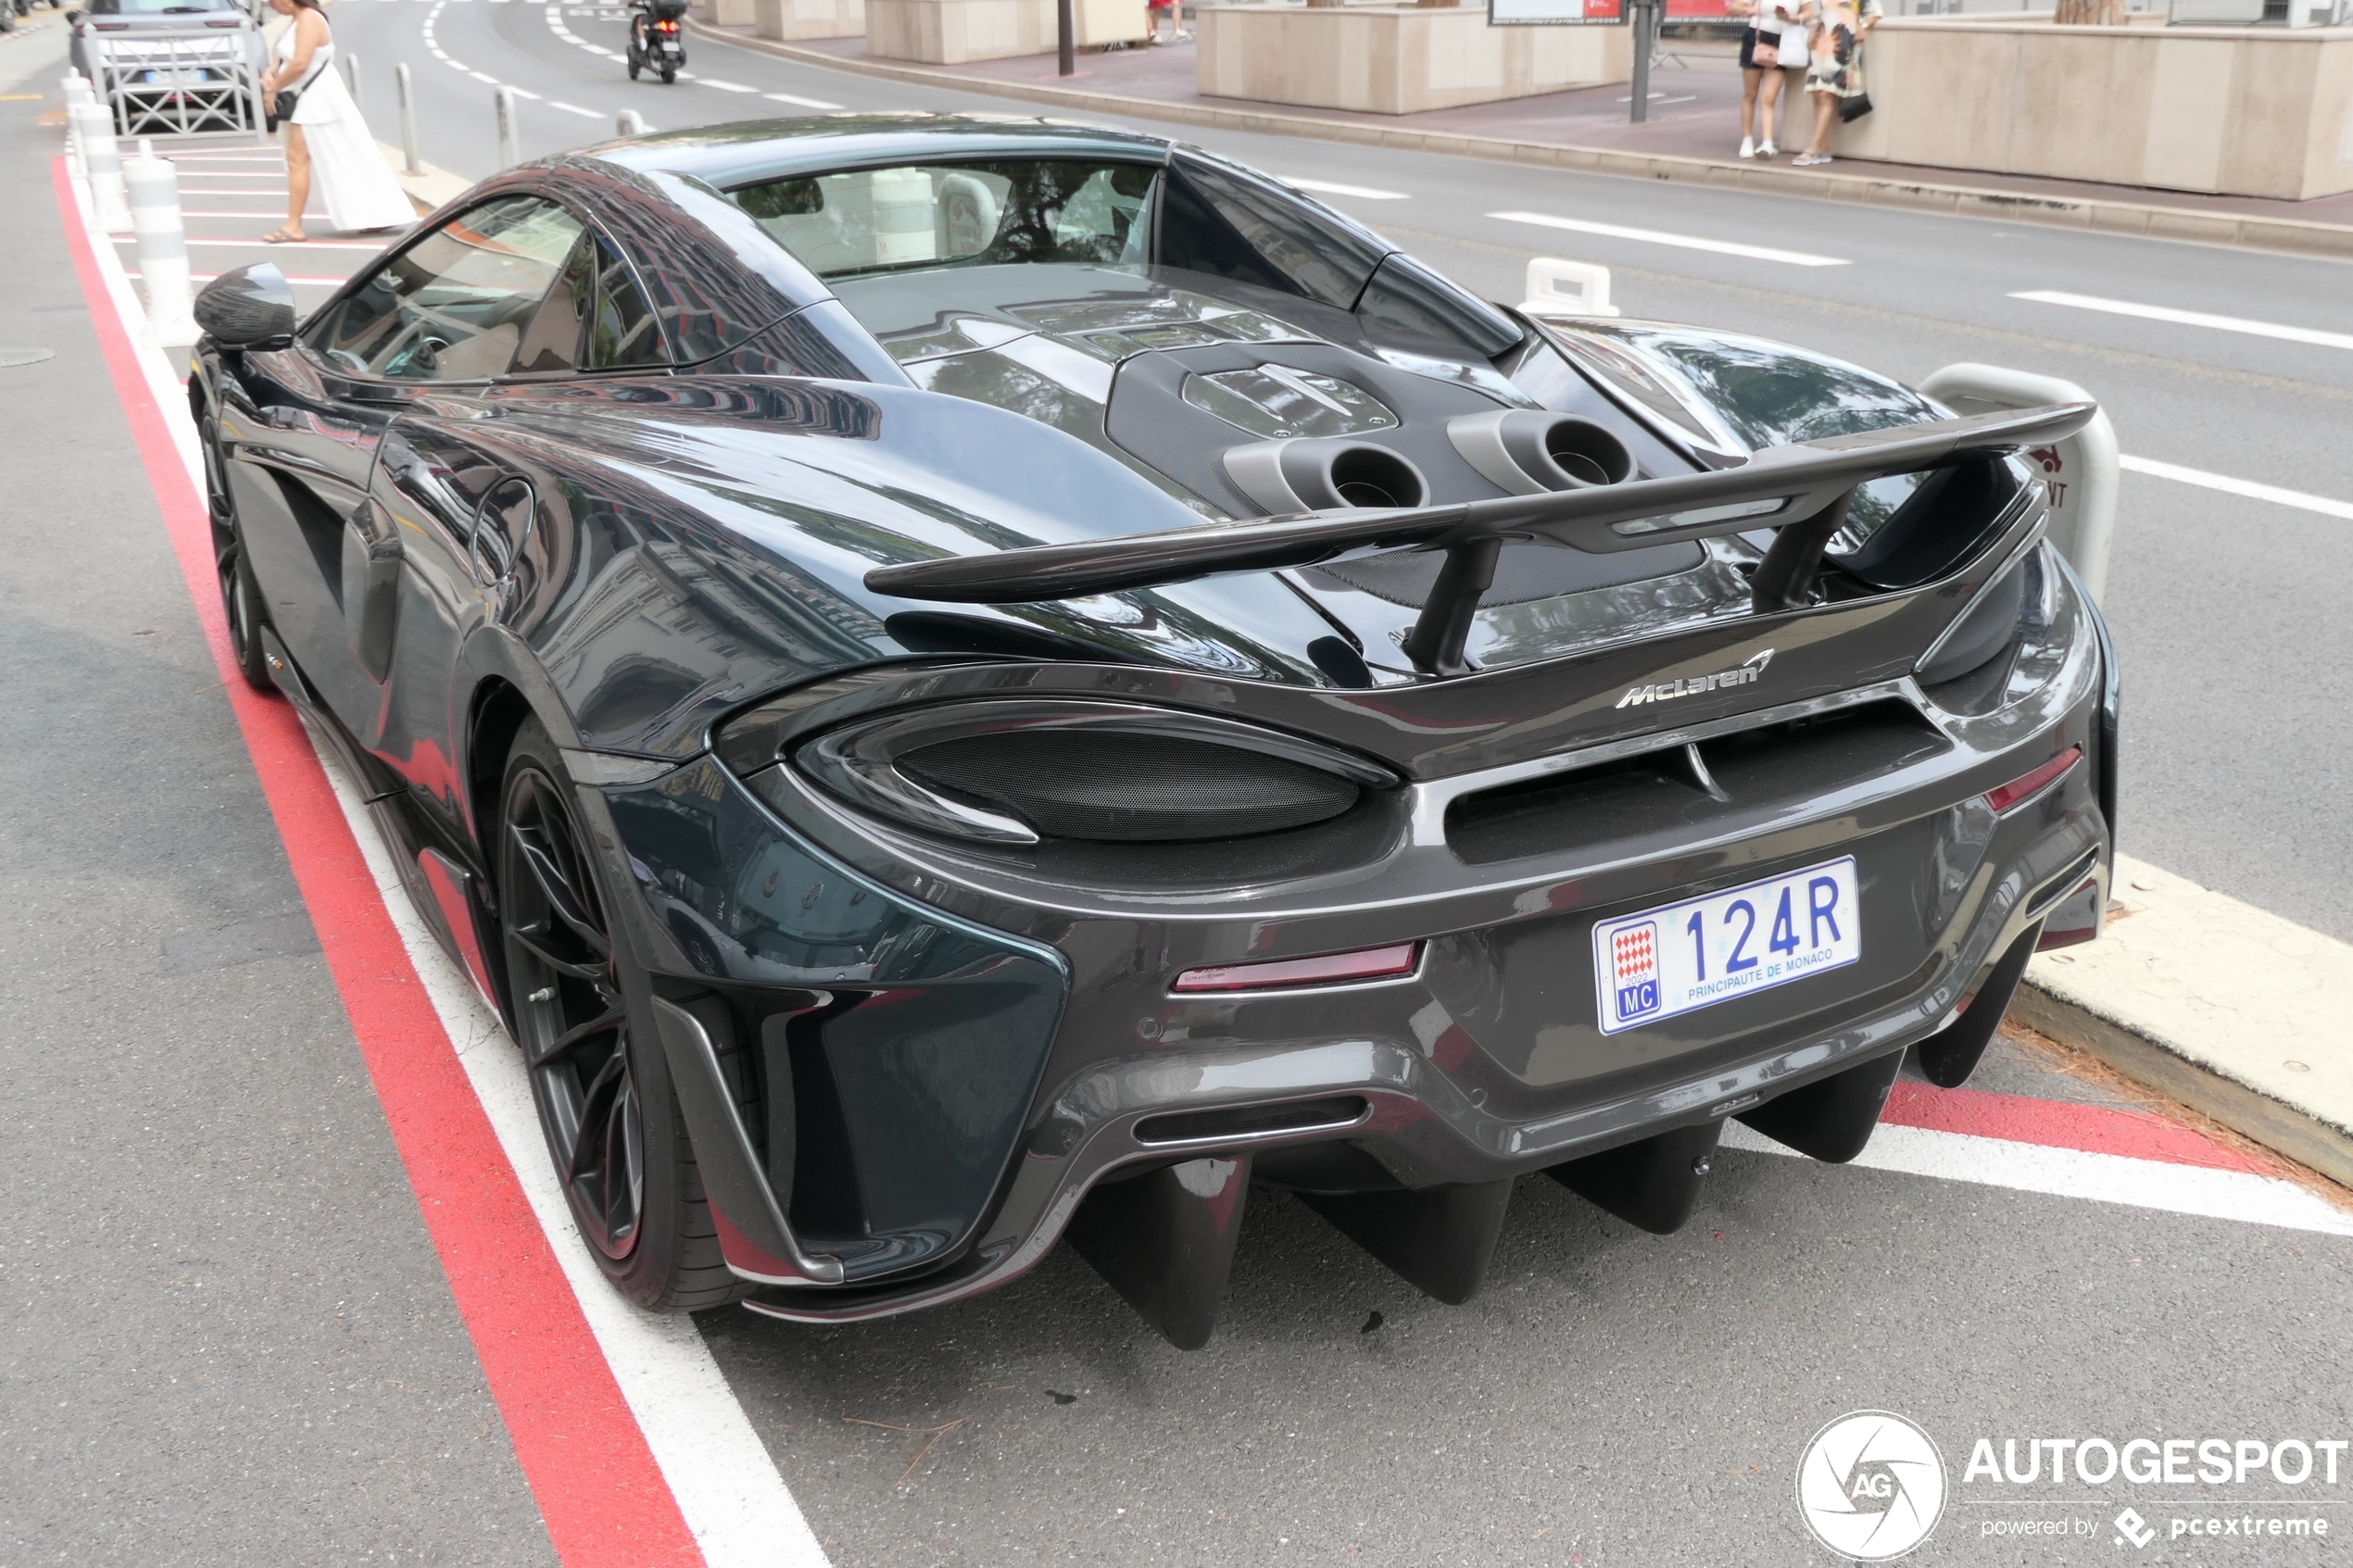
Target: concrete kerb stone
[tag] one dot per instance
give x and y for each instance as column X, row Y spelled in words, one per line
column 2231, row 1009
column 2129, row 217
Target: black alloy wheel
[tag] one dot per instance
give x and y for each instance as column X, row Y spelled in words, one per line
column 597, row 1077
column 241, row 601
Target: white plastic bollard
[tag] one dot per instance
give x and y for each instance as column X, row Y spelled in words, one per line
column 406, row 94
column 2081, row 474
column 77, row 92
column 509, row 133
column 109, row 212
column 1556, row 287
column 629, row 122
column 154, row 186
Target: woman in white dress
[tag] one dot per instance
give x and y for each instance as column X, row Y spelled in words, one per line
column 325, row 135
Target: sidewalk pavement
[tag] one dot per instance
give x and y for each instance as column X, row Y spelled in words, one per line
column 1692, row 136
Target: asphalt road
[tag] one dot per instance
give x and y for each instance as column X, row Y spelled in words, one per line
column 228, row 1339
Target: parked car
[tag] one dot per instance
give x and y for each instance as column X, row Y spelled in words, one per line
column 178, row 65
column 961, row 684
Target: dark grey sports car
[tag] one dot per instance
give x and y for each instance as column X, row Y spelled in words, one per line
column 965, row 683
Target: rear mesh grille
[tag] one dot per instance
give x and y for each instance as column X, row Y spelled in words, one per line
column 1659, row 791
column 1128, row 787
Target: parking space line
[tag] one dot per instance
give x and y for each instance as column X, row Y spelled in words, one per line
column 2198, row 1190
column 2187, row 317
column 635, row 1451
column 2229, row 486
column 1681, row 242
column 1334, row 188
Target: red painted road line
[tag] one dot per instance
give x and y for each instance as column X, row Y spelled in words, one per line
column 598, row 1489
column 2093, row 1129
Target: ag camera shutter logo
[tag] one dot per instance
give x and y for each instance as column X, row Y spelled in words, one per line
column 1870, row 1485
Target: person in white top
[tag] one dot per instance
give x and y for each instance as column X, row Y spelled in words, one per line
column 1762, row 64
column 325, row 135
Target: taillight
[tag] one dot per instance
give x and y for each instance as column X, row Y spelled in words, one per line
column 665, row 27
column 110, row 27
column 2020, row 790
column 1328, row 968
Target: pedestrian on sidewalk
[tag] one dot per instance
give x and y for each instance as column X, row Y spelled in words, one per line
column 1772, row 42
column 1834, row 68
column 1173, row 12
column 325, row 134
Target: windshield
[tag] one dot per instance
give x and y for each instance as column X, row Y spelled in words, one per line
column 915, row 216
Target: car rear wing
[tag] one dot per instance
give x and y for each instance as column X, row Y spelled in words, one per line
column 1800, row 490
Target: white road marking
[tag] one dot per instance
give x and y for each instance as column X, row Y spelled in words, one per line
column 728, row 86
column 1334, row 188
column 1681, row 242
column 483, row 76
column 284, row 245
column 2246, row 487
column 574, row 108
column 2187, row 317
column 720, row 1473
column 2071, row 1173
column 804, row 103
column 524, row 93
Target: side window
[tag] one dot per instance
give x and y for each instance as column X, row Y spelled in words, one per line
column 552, row 341
column 1316, row 254
column 625, row 334
column 454, row 304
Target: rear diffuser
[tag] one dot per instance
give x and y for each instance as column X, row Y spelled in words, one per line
column 1949, row 1056
column 1653, row 1184
column 1830, row 1120
column 1165, row 1240
column 1438, row 1238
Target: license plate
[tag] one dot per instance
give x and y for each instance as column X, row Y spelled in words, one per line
column 1683, row 956
column 181, row 77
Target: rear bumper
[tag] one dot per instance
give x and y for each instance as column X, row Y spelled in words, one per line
column 1048, row 1053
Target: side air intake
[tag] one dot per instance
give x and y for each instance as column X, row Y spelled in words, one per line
column 1306, row 475
column 1527, row 451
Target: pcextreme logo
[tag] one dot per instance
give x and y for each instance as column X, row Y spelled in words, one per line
column 1739, row 674
column 1870, row 1485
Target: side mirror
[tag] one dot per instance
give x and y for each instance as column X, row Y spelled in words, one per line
column 251, row 307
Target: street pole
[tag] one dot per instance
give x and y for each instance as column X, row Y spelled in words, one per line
column 1642, row 14
column 1066, row 36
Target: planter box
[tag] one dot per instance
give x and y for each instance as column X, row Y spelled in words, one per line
column 1397, row 59
column 785, row 20
column 2246, row 112
column 952, row 32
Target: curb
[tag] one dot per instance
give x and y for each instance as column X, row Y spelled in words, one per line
column 2233, row 1012
column 1965, row 201
column 427, row 189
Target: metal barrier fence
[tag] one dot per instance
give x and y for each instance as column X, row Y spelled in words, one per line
column 178, row 82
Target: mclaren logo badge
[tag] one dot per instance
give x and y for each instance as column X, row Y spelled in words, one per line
column 1740, row 674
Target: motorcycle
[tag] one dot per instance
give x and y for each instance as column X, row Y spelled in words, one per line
column 656, row 39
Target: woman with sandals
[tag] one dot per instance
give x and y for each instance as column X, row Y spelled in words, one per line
column 1834, row 73
column 326, row 138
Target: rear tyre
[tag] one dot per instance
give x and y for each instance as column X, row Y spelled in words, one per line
column 669, row 75
column 635, row 68
column 597, row 1075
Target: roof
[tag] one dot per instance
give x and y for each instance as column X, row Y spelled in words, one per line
column 750, row 151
